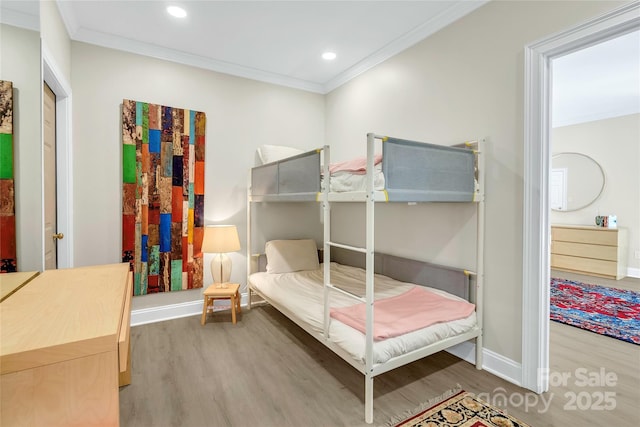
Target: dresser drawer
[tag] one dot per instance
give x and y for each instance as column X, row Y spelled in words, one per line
column 584, row 250
column 579, row 235
column 589, row 250
column 584, row 265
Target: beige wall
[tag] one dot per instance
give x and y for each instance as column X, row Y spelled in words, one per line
column 615, row 145
column 55, row 38
column 241, row 115
column 466, row 81
column 20, row 64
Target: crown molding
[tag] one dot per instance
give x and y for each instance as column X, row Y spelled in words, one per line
column 452, row 14
column 167, row 54
column 576, row 119
column 65, row 8
column 78, row 33
column 19, row 19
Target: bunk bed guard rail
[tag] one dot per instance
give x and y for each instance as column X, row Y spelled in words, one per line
column 295, row 178
column 418, row 171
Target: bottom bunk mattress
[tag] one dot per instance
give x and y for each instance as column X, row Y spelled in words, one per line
column 302, row 294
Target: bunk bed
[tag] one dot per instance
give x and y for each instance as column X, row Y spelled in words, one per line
column 412, row 172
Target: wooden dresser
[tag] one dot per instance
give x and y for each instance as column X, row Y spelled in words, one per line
column 12, row 282
column 65, row 348
column 591, row 250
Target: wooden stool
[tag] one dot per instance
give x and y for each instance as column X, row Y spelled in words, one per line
column 214, row 292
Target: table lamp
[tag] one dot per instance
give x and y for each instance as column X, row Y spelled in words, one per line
column 220, row 239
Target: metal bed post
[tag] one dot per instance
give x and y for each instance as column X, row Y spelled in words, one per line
column 370, row 199
column 480, row 251
column 326, row 255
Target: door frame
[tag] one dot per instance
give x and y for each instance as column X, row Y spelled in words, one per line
column 537, row 109
column 52, row 75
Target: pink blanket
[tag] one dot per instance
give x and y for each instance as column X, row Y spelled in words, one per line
column 415, row 309
column 356, row 166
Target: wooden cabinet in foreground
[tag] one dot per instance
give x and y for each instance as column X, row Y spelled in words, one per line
column 10, row 283
column 590, row 250
column 65, row 348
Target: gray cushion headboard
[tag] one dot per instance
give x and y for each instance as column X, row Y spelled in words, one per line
column 453, row 280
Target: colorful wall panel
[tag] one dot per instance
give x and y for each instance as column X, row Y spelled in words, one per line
column 162, row 196
column 8, row 261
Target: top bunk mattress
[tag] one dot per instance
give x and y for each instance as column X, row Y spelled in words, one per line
column 302, row 293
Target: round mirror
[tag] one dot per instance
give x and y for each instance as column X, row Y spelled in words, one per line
column 576, row 181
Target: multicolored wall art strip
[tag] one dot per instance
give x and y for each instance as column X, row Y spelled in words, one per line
column 8, row 261
column 162, row 196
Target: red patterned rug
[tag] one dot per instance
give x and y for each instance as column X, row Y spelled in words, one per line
column 462, row 409
column 605, row 311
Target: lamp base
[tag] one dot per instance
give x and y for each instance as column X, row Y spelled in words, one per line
column 221, row 269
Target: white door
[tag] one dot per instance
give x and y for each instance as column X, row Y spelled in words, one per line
column 50, row 223
column 558, row 189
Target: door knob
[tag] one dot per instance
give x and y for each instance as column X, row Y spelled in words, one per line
column 58, row 236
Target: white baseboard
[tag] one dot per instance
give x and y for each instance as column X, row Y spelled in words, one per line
column 494, row 363
column 143, row 316
column 633, row 272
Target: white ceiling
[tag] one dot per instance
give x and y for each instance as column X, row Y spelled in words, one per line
column 281, row 42
column 599, row 82
column 275, row 41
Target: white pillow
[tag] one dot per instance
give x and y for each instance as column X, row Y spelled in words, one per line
column 286, row 256
column 273, row 153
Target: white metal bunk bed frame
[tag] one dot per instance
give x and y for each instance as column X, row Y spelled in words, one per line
column 370, row 369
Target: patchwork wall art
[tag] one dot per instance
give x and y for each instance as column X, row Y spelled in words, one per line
column 162, row 196
column 8, row 261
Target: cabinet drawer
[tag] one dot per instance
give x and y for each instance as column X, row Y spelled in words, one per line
column 584, row 250
column 584, row 265
column 579, row 235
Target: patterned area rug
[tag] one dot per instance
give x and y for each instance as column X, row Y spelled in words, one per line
column 462, row 409
column 606, row 311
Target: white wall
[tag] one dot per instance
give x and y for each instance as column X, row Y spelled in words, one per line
column 464, row 82
column 20, row 64
column 241, row 115
column 615, row 145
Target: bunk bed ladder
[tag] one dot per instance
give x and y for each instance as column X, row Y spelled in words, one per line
column 326, row 253
column 326, row 210
column 368, row 250
column 370, row 243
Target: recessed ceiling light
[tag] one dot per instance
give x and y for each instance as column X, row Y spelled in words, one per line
column 329, row 56
column 176, row 11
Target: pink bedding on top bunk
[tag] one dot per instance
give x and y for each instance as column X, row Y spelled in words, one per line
column 412, row 310
column 355, row 166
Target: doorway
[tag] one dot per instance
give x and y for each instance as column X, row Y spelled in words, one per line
column 51, row 235
column 536, row 265
column 55, row 80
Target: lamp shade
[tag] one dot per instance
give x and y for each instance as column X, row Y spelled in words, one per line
column 220, row 239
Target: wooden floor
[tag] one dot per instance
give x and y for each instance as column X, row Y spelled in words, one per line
column 587, row 357
column 266, row 371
